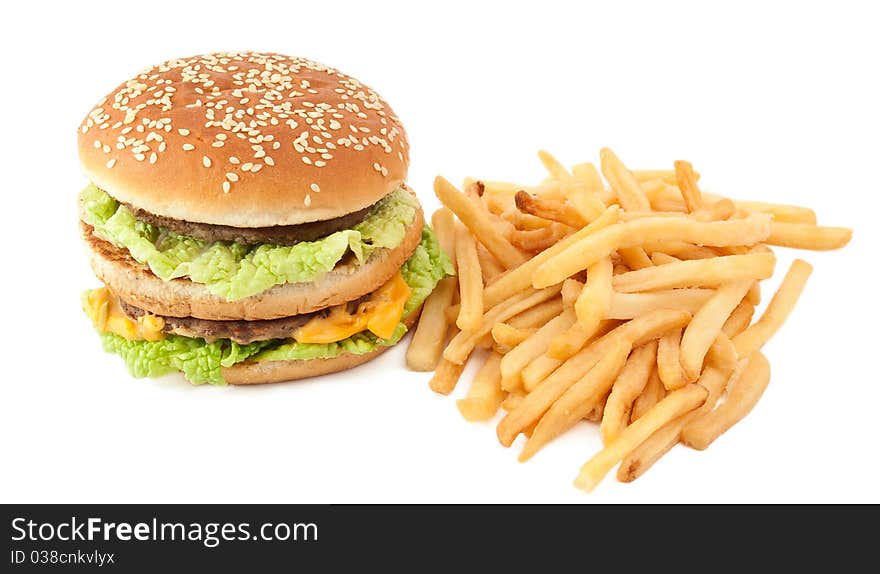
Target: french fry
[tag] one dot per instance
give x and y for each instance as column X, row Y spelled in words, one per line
column 513, row 362
column 635, row 258
column 570, row 341
column 524, row 221
column 443, row 223
column 485, row 395
column 630, row 305
column 553, row 166
column 577, row 402
column 640, row 459
column 807, row 236
column 716, row 211
column 666, row 205
column 446, row 376
column 631, row 195
column 595, row 298
column 668, row 363
column 652, row 394
column 595, row 414
column 633, row 215
column 585, row 251
column 537, row 315
column 585, row 198
column 474, row 189
column 460, row 347
column 674, row 405
column 536, row 403
column 541, row 367
column 538, row 239
column 428, row 341
column 777, row 311
column 500, row 204
column 707, row 324
column 470, row 280
column 742, row 396
column 571, row 290
column 629, row 385
column 697, row 273
column 549, row 209
column 538, row 370
column 587, row 174
column 687, row 183
column 635, row 333
column 739, row 319
column 680, row 249
column 479, row 222
column 753, row 295
column 781, row 213
column 512, row 400
column 520, row 278
column 489, row 266
column 548, row 189
column 660, row 258
column 722, row 353
column 504, row 334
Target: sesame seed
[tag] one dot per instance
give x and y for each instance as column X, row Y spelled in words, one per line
column 217, row 144
column 377, row 167
column 106, row 148
column 226, row 187
column 314, row 187
column 234, row 160
column 269, row 161
column 320, row 163
column 257, row 167
column 140, row 157
column 307, row 201
column 206, row 161
column 233, row 177
column 111, row 163
column 306, row 160
column 153, row 157
column 220, row 137
column 188, row 147
column 384, row 171
column 246, row 166
column 183, row 131
column 97, row 144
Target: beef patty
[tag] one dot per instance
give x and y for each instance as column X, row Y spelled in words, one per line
column 277, row 235
column 242, row 332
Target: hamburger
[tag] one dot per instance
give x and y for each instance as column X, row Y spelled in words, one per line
column 249, row 218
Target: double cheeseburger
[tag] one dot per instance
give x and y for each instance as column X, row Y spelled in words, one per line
column 249, row 219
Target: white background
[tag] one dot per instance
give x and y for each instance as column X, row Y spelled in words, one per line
column 769, row 100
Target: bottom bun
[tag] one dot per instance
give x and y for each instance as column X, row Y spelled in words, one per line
column 258, row 372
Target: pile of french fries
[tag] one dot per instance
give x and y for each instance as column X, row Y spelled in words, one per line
column 629, row 304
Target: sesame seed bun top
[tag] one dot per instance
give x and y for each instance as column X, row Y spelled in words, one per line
column 244, row 139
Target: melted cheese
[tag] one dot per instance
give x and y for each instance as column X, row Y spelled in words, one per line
column 104, row 310
column 380, row 314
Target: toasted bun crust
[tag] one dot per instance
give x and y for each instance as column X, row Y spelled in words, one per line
column 250, row 373
column 135, row 284
column 244, row 139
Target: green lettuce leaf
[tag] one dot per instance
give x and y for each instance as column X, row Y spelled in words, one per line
column 235, row 271
column 201, row 362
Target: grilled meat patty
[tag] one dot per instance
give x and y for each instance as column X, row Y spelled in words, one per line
column 277, row 235
column 242, row 332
